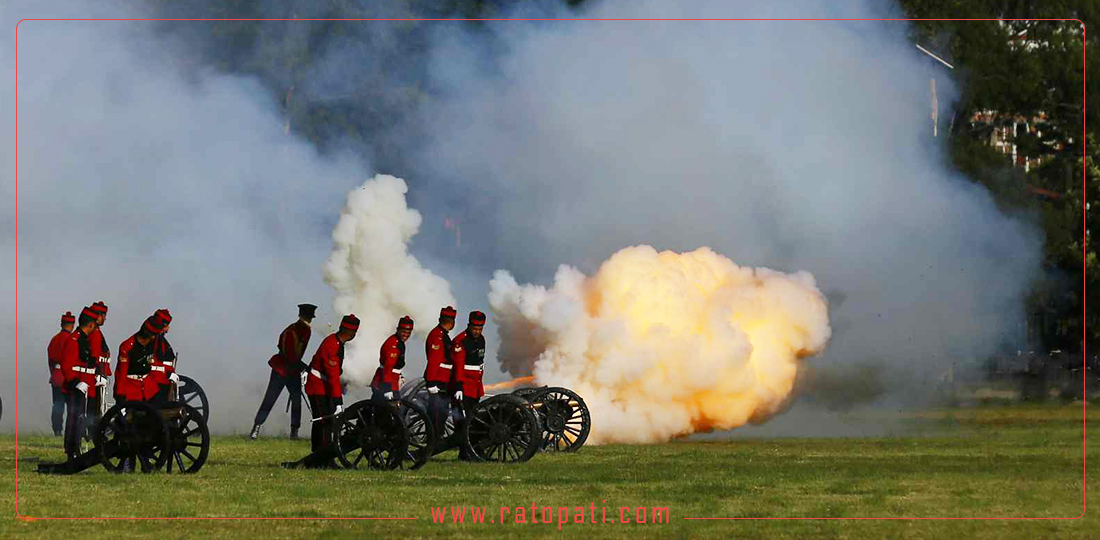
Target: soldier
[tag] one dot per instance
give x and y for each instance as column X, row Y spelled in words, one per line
column 287, row 369
column 323, row 388
column 136, row 360
column 57, row 378
column 386, row 383
column 163, row 370
column 437, row 374
column 103, row 368
column 78, row 365
column 468, row 355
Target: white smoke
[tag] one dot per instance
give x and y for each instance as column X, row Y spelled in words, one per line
column 663, row 344
column 374, row 275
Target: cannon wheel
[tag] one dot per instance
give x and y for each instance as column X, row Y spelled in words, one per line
column 140, row 432
column 190, row 393
column 416, row 387
column 565, row 419
column 371, row 432
column 503, row 428
column 187, row 433
column 421, row 433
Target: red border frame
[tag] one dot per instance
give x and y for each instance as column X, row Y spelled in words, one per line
column 1084, row 252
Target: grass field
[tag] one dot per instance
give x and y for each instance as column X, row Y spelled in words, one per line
column 995, row 462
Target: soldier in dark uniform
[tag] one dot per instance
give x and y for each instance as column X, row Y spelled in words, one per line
column 287, row 369
column 386, row 384
column 57, row 378
column 437, row 374
column 78, row 364
column 468, row 355
column 323, row 388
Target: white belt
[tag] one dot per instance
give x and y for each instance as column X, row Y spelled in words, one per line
column 136, row 377
column 169, row 364
column 105, row 359
column 445, row 366
column 397, row 371
column 318, row 374
column 157, row 368
column 55, row 366
column 84, row 370
column 474, row 368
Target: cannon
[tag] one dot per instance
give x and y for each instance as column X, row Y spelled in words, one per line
column 500, row 429
column 173, row 437
column 376, row 435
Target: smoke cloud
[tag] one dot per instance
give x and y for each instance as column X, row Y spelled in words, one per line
column 664, row 344
column 151, row 176
column 374, row 275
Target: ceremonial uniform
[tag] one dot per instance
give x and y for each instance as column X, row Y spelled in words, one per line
column 135, row 366
column 163, row 366
column 78, row 366
column 57, row 378
column 286, row 370
column 437, row 374
column 103, row 367
column 468, row 356
column 323, row 388
column 391, row 360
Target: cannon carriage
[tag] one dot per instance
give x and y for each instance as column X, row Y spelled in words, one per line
column 501, row 428
column 172, row 437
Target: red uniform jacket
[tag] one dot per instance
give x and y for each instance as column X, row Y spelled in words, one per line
column 292, row 347
column 391, row 360
column 78, row 364
column 133, row 379
column 325, row 369
column 468, row 355
column 437, row 348
column 164, row 362
column 53, row 358
column 101, row 351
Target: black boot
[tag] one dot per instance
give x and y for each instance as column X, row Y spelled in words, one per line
column 294, row 433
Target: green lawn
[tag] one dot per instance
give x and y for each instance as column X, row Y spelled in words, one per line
column 992, row 462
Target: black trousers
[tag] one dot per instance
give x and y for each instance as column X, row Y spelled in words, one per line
column 76, row 403
column 275, row 385
column 57, row 414
column 467, row 405
column 320, row 436
column 439, row 406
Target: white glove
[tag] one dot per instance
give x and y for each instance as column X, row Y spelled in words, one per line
column 305, row 375
column 458, row 395
column 433, row 389
column 339, row 409
column 83, row 387
column 388, row 395
column 122, row 411
column 174, row 378
column 100, row 380
column 401, row 382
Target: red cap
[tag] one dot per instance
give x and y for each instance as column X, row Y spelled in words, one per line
column 477, row 318
column 89, row 313
column 163, row 315
column 406, row 323
column 350, row 322
column 153, row 325
column 448, row 312
column 68, row 318
column 99, row 308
